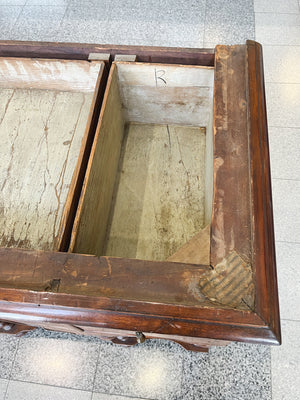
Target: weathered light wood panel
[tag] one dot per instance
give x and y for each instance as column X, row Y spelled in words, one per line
column 159, row 201
column 44, row 112
column 48, row 74
column 41, row 133
column 155, row 93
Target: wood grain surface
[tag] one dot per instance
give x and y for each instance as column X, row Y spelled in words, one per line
column 90, row 225
column 81, row 51
column 104, row 276
column 62, row 75
column 263, row 240
column 231, row 219
column 159, row 199
column 166, row 94
column 44, row 114
column 41, row 133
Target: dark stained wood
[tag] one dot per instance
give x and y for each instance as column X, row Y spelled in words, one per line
column 117, row 336
column 263, row 241
column 231, row 220
column 14, row 329
column 80, row 51
column 69, row 301
column 193, row 347
column 160, row 282
column 36, row 313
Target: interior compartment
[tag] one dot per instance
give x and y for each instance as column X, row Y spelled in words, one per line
column 148, row 186
column 45, row 112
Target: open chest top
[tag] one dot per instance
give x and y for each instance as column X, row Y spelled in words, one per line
column 135, row 193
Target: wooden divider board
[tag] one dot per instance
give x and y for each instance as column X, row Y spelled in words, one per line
column 42, row 124
column 89, row 230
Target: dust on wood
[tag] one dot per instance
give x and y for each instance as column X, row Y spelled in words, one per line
column 61, row 75
column 40, row 133
column 166, row 94
column 159, row 199
column 231, row 219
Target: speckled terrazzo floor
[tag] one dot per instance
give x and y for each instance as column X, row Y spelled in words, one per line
column 45, row 365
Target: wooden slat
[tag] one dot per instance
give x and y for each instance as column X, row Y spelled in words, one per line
column 90, row 223
column 231, row 219
column 81, row 51
column 89, row 275
column 62, row 75
column 71, row 205
column 28, row 312
column 264, row 259
column 104, row 276
column 118, row 336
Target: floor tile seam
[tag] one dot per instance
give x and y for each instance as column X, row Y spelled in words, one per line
column 96, row 369
column 286, row 241
column 17, row 20
column 6, row 389
column 254, row 22
column 12, row 366
column 63, row 17
column 279, row 126
column 284, row 127
column 44, row 5
column 204, row 25
column 285, row 179
column 280, row 83
column 281, row 45
column 271, row 380
column 281, row 179
column 49, row 385
column 290, row 320
column 277, row 13
column 126, row 396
